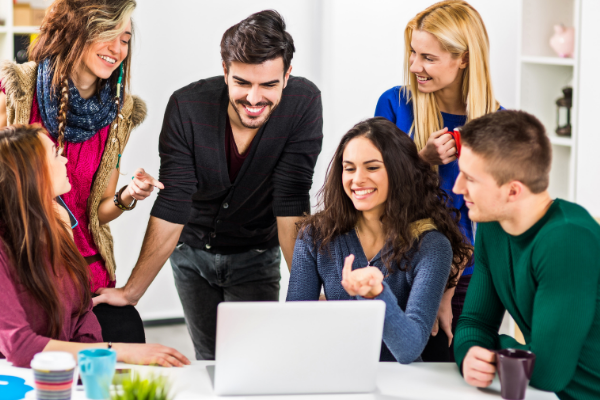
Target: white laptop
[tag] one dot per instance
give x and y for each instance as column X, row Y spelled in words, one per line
column 298, row 347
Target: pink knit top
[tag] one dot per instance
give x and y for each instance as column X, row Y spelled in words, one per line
column 84, row 160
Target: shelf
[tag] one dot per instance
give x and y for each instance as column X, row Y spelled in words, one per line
column 548, row 60
column 26, row 29
column 561, row 141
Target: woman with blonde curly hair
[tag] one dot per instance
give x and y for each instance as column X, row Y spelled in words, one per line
column 447, row 84
column 77, row 86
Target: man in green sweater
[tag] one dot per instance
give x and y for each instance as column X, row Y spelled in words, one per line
column 535, row 257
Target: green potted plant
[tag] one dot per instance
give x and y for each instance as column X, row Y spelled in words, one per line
column 149, row 388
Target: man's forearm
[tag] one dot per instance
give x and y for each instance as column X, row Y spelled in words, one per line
column 286, row 229
column 160, row 240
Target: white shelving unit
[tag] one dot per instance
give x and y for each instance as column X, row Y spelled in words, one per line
column 8, row 31
column 541, row 76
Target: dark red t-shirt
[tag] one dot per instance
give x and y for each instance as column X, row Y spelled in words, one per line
column 234, row 159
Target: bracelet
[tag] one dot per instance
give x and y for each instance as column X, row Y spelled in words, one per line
column 118, row 203
column 110, row 345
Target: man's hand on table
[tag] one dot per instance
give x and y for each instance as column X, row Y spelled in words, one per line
column 149, row 354
column 479, row 367
column 114, row 297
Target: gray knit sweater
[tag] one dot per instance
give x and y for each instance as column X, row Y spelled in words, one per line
column 412, row 297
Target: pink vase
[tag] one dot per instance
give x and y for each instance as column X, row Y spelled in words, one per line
column 563, row 41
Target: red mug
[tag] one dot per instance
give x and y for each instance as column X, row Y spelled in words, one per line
column 456, row 137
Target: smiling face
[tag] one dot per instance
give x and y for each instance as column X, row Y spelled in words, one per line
column 254, row 91
column 57, row 167
column 434, row 67
column 485, row 199
column 103, row 58
column 364, row 176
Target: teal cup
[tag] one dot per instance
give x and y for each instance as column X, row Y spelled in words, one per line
column 97, row 368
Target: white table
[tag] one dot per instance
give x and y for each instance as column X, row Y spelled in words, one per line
column 394, row 382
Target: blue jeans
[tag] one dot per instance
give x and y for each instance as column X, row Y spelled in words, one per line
column 203, row 280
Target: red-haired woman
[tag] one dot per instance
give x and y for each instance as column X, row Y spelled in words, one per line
column 46, row 304
column 76, row 86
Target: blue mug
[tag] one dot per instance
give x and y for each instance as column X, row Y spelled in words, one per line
column 97, row 368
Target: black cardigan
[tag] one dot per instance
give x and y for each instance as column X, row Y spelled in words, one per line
column 275, row 179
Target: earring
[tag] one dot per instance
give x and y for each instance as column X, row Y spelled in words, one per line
column 118, row 97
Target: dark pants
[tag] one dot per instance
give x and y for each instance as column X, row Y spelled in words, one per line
column 120, row 324
column 437, row 349
column 204, row 280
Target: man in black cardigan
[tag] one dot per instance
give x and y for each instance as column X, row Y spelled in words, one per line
column 237, row 158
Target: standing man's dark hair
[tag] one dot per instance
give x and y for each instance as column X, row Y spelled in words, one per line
column 237, row 153
column 258, row 38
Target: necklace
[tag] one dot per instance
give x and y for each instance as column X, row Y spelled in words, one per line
column 358, row 236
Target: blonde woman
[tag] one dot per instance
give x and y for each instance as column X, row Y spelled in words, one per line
column 76, row 86
column 447, row 84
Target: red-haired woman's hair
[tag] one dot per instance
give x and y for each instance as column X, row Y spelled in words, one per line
column 35, row 239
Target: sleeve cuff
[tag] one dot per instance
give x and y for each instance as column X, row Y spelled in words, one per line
column 291, row 208
column 175, row 217
column 24, row 354
column 383, row 296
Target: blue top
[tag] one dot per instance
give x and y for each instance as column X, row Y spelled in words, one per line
column 412, row 297
column 394, row 108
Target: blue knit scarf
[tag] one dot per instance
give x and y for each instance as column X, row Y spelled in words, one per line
column 84, row 116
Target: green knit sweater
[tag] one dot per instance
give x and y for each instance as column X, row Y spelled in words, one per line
column 548, row 280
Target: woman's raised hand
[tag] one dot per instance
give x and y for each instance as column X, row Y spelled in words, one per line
column 440, row 148
column 365, row 282
column 149, row 354
column 142, row 185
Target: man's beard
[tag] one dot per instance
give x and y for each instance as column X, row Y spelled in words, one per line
column 255, row 122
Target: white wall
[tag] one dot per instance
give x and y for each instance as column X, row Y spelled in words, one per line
column 588, row 180
column 352, row 50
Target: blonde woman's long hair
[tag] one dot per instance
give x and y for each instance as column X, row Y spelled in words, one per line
column 460, row 29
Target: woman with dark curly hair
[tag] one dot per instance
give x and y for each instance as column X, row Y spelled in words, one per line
column 384, row 232
column 76, row 85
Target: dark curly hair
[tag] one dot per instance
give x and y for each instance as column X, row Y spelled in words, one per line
column 414, row 193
